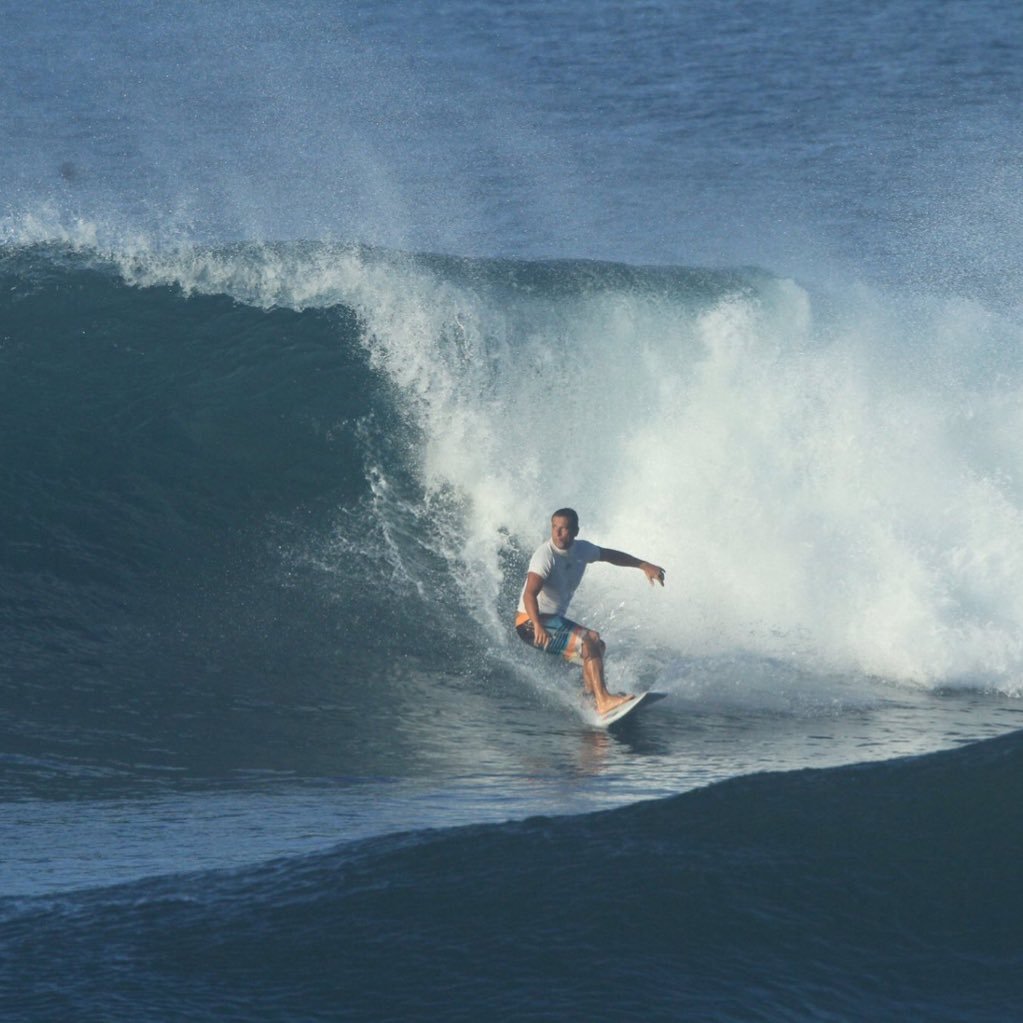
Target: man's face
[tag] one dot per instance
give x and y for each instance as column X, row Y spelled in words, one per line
column 562, row 533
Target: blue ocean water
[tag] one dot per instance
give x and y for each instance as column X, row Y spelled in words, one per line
column 309, row 316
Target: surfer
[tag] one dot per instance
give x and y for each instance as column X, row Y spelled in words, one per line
column 555, row 570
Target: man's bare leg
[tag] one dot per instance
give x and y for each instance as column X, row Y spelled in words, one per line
column 593, row 676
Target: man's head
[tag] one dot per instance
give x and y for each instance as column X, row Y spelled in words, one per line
column 564, row 528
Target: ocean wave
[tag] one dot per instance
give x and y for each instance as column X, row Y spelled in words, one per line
column 833, row 479
column 258, row 495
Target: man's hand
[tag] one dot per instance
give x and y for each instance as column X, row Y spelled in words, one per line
column 653, row 572
column 541, row 637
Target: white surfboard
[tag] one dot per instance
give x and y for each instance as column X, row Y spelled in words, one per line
column 623, row 710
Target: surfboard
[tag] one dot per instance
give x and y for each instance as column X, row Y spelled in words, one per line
column 623, row 710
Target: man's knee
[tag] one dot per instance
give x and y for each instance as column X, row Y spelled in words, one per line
column 593, row 645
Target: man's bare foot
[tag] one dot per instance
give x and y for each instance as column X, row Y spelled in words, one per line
column 606, row 706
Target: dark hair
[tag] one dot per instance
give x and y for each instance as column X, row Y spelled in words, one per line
column 570, row 514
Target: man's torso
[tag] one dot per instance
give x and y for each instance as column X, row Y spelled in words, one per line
column 561, row 572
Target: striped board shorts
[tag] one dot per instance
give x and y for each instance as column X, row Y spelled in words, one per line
column 566, row 635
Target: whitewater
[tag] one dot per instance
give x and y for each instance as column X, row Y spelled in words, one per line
column 309, row 318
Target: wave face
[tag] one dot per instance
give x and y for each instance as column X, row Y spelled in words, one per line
column 870, row 892
column 377, row 440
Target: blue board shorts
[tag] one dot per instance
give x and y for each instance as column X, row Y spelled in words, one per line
column 566, row 636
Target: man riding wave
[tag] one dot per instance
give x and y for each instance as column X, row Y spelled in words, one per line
column 555, row 571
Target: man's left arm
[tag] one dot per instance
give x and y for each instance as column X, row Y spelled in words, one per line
column 653, row 572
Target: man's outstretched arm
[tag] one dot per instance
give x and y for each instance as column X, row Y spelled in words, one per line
column 653, row 572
